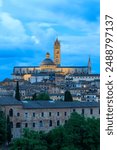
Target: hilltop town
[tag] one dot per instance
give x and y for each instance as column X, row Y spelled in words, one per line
column 52, row 79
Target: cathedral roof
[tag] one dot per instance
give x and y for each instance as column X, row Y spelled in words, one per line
column 47, row 61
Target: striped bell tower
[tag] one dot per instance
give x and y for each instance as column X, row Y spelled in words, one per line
column 57, row 57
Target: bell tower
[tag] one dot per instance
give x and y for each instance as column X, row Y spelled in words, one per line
column 89, row 66
column 57, row 52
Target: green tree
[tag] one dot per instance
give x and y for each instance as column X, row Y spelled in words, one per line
column 85, row 130
column 31, row 140
column 41, row 96
column 68, row 96
column 56, row 138
column 3, row 127
column 17, row 93
column 9, row 133
column 34, row 96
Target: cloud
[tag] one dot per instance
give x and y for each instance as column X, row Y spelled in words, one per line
column 28, row 30
column 12, row 30
column 1, row 3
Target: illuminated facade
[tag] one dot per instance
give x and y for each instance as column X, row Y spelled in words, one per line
column 48, row 65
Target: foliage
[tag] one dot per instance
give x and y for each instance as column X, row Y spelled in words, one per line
column 85, row 130
column 2, row 127
column 68, row 96
column 41, row 96
column 79, row 133
column 9, row 134
column 31, row 140
column 17, row 93
column 34, row 96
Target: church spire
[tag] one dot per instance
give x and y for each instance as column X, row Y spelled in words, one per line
column 89, row 66
column 57, row 52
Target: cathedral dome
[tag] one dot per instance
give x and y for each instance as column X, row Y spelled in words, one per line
column 47, row 60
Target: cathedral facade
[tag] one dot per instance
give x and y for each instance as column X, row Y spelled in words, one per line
column 50, row 66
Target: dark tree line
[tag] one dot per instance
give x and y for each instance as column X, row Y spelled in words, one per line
column 5, row 129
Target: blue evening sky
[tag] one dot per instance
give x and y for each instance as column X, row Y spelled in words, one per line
column 28, row 29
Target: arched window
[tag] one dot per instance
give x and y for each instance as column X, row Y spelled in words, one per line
column 11, row 112
column 18, row 125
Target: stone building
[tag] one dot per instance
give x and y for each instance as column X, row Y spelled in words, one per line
column 32, row 73
column 43, row 115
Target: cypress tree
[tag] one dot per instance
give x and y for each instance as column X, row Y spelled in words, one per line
column 68, row 96
column 34, row 96
column 17, row 93
column 3, row 128
column 9, row 134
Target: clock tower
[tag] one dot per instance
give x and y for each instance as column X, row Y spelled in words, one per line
column 57, row 52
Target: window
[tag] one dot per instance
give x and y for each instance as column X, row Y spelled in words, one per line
column 26, row 125
column 11, row 124
column 50, row 114
column 57, row 113
column 11, row 112
column 18, row 114
column 33, row 114
column 50, row 123
column 18, row 125
column 82, row 111
column 33, row 124
column 74, row 110
column 42, row 114
column 58, row 122
column 91, row 111
column 65, row 113
column 40, row 123
column 26, row 115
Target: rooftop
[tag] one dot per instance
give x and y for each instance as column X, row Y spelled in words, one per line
column 46, row 104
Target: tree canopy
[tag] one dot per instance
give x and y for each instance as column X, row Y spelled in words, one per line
column 68, row 96
column 41, row 96
column 3, row 128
